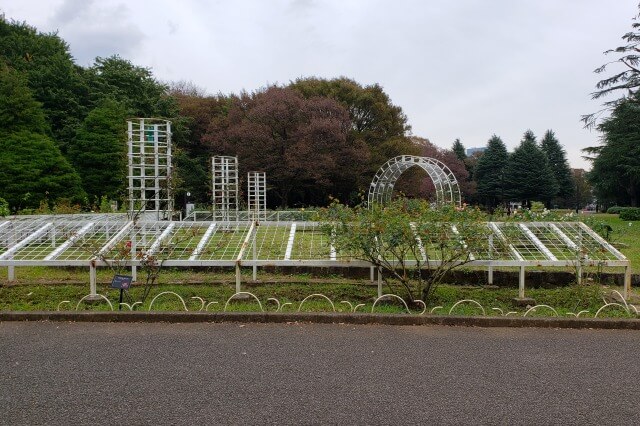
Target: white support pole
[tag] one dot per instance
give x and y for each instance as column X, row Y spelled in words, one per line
column 134, row 249
column 521, row 284
column 238, row 278
column 11, row 272
column 372, row 274
column 490, row 278
column 579, row 271
column 379, row 283
column 255, row 255
column 92, row 279
column 627, row 282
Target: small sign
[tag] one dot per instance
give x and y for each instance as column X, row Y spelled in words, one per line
column 123, row 282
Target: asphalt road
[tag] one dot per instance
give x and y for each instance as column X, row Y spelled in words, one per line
column 100, row 373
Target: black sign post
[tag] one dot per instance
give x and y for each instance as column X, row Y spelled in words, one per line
column 123, row 282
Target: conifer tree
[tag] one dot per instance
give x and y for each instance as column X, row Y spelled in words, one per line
column 459, row 150
column 489, row 172
column 528, row 176
column 557, row 159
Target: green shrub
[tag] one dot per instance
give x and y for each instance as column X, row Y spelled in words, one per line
column 630, row 213
column 4, row 207
column 614, row 209
column 537, row 206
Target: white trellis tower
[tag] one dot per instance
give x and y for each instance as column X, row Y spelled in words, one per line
column 257, row 195
column 150, row 170
column 224, row 187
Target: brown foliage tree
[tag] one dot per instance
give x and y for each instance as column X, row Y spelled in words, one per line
column 300, row 143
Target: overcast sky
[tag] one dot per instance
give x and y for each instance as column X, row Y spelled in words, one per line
column 458, row 68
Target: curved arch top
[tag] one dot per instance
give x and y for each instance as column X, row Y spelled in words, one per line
column 445, row 182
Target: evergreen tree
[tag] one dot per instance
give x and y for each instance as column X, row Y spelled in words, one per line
column 99, row 151
column 489, row 172
column 625, row 78
column 32, row 168
column 132, row 86
column 528, row 176
column 459, row 150
column 52, row 76
column 557, row 159
column 615, row 174
column 18, row 110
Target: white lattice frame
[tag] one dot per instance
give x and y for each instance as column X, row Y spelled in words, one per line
column 224, row 186
column 445, row 182
column 150, row 168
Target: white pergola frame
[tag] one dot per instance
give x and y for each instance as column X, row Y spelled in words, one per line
column 384, row 181
column 98, row 240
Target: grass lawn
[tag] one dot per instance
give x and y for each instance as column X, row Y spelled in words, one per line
column 215, row 289
column 625, row 236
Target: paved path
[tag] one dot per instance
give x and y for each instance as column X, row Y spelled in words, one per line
column 100, row 373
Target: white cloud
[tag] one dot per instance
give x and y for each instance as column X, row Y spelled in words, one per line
column 466, row 69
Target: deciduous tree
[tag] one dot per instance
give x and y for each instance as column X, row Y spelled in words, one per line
column 300, row 143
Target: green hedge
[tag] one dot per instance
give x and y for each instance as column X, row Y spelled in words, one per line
column 614, row 209
column 630, row 213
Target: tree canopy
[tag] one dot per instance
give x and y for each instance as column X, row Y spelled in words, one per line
column 300, row 143
column 99, row 151
column 32, row 168
column 615, row 174
column 626, row 77
column 557, row 159
column 527, row 175
column 458, row 150
column 489, row 172
column 52, row 76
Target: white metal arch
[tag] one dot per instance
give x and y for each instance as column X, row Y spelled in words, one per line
column 445, row 182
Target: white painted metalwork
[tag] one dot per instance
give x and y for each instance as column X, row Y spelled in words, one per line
column 444, row 181
column 224, row 185
column 257, row 195
column 156, row 244
column 70, row 241
column 537, row 242
column 292, row 236
column 107, row 240
column 203, row 242
column 150, row 169
column 23, row 243
column 502, row 238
